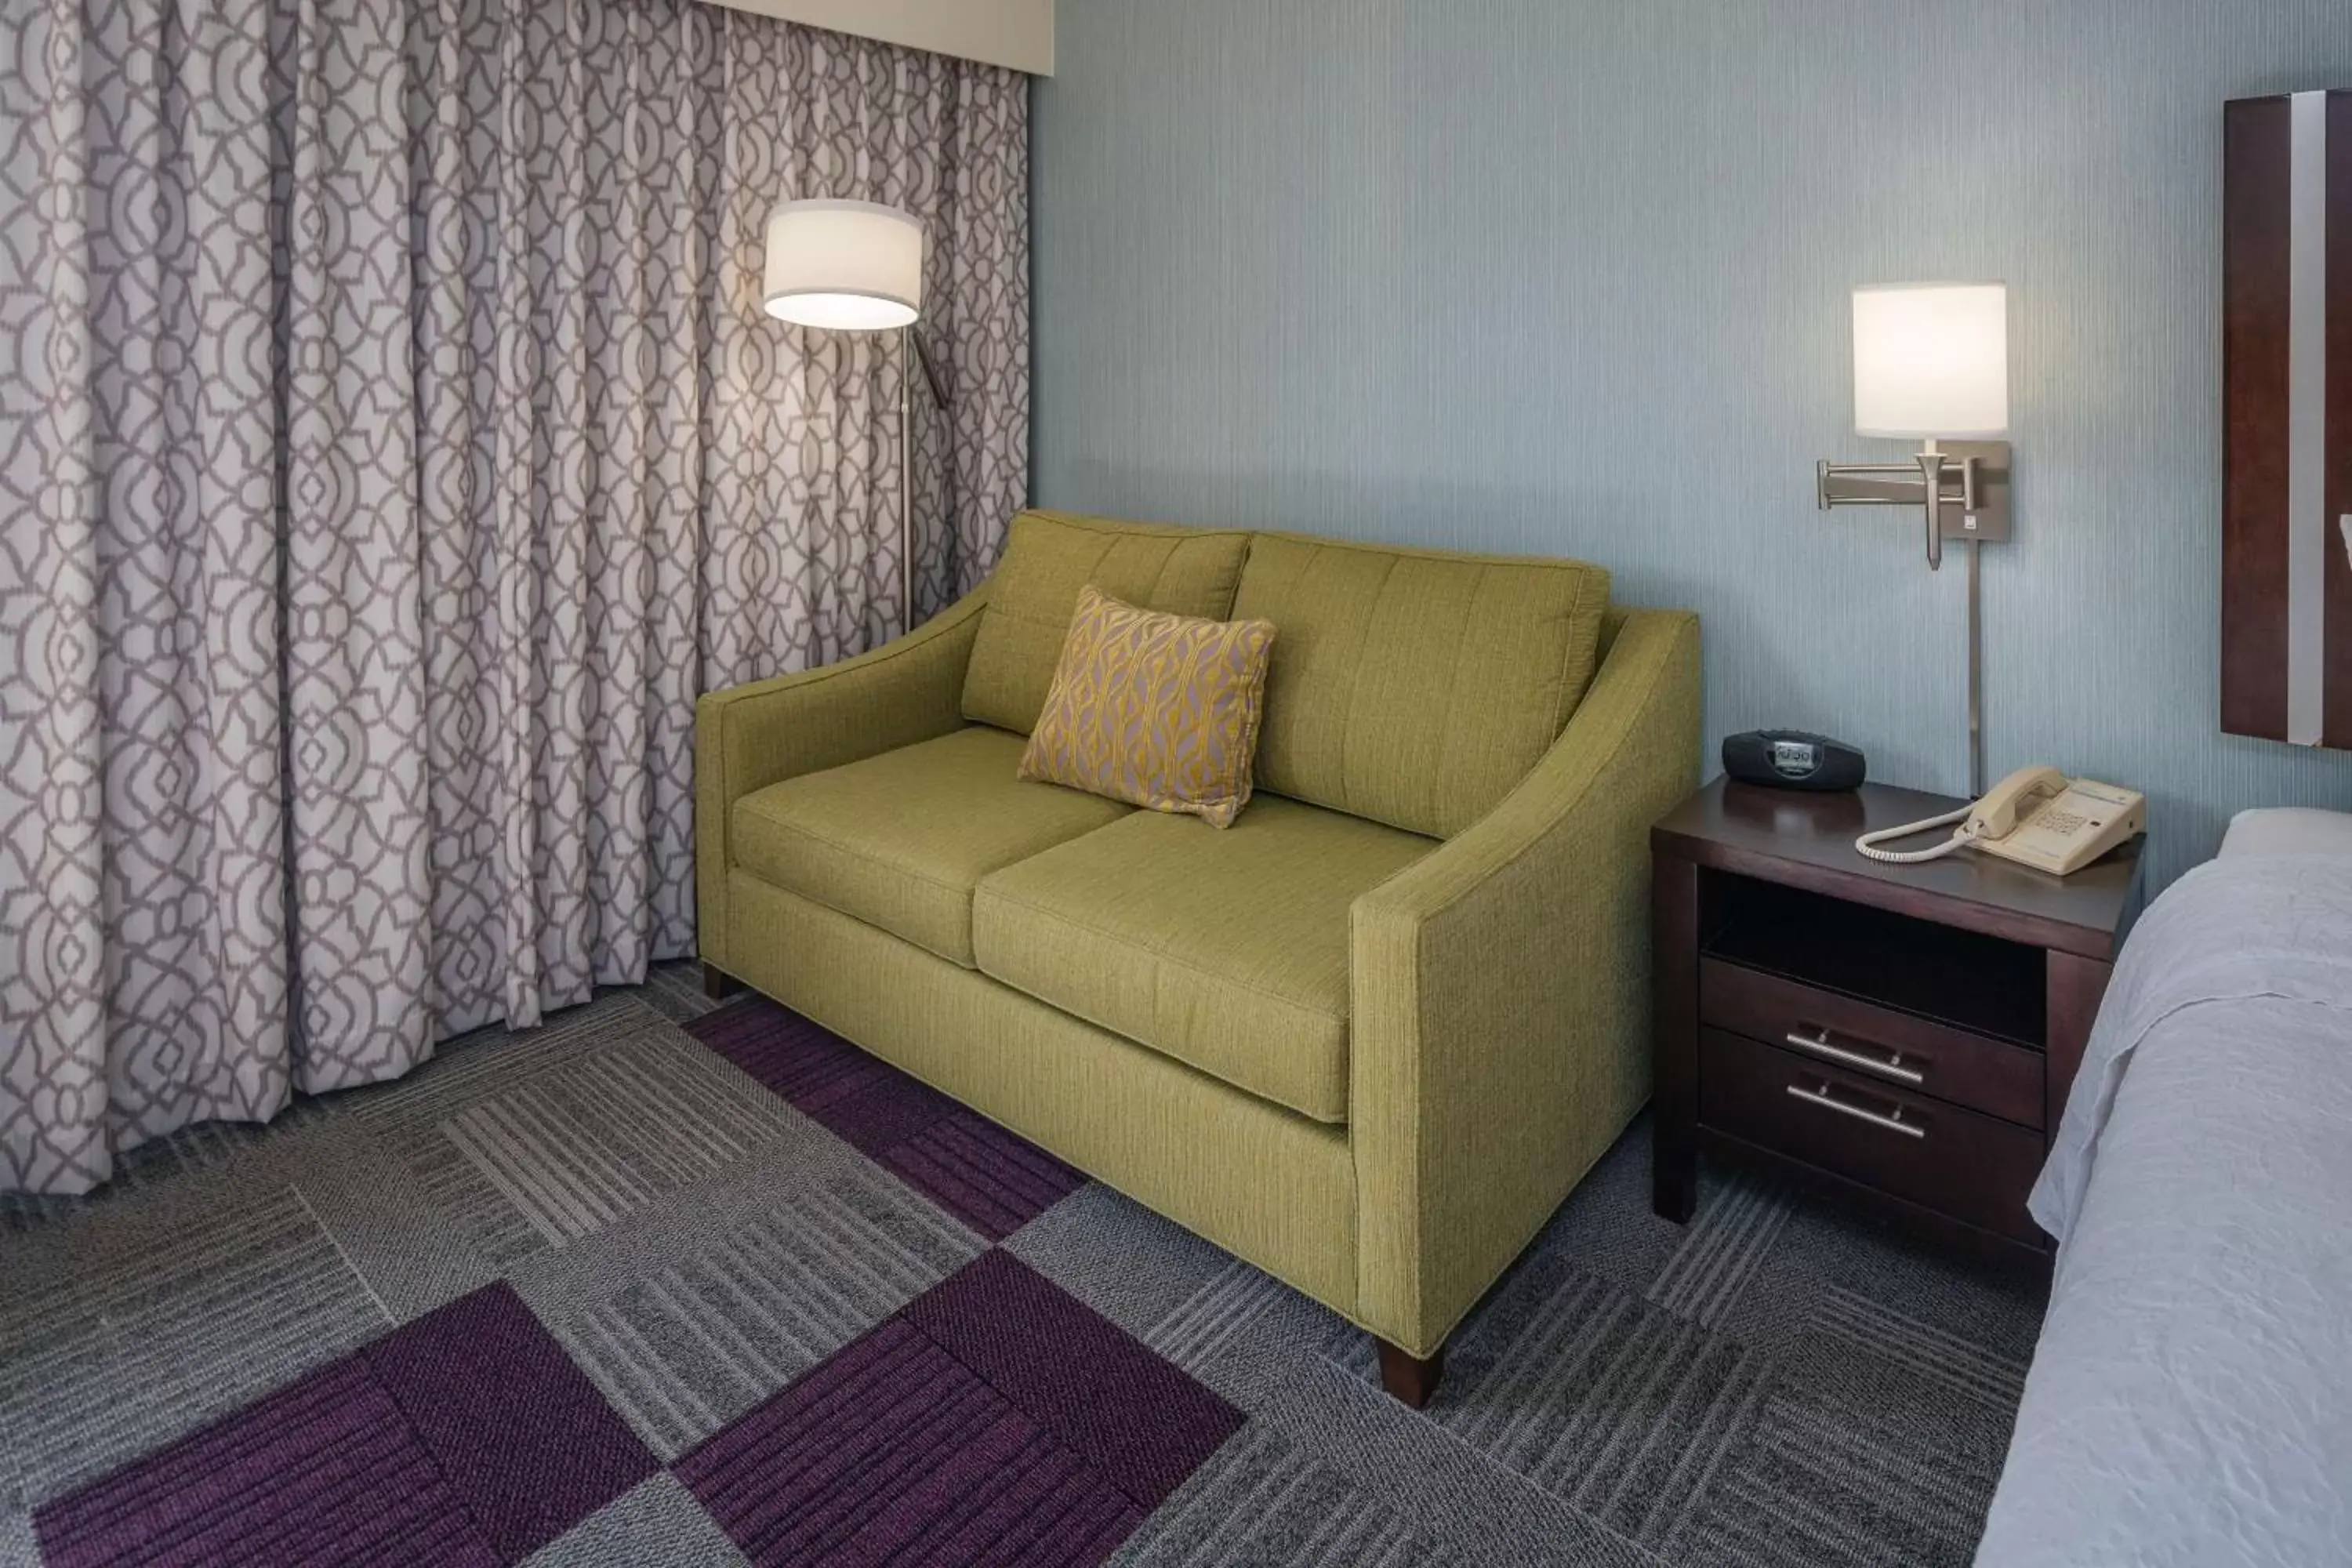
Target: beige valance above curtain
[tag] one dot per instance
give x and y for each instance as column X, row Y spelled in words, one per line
column 1015, row 32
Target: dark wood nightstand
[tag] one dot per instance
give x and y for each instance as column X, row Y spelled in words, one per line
column 1901, row 1037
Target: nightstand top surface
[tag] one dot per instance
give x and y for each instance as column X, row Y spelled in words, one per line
column 1806, row 840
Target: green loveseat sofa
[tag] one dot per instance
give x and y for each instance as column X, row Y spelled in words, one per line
column 1369, row 1036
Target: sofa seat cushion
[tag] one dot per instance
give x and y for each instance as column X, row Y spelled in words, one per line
column 1226, row 949
column 900, row 840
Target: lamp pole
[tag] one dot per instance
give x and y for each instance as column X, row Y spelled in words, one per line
column 907, row 476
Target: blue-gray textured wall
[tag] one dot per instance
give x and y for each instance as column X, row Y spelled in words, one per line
column 1571, row 276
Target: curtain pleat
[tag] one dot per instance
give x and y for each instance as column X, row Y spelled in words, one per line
column 394, row 448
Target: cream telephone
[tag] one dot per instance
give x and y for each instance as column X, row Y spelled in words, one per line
column 2036, row 816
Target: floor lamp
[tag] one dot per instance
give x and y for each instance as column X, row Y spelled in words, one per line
column 857, row 266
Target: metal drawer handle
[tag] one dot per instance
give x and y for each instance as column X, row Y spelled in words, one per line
column 1890, row 1065
column 1893, row 1123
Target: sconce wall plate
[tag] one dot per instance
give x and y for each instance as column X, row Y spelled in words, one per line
column 1900, row 484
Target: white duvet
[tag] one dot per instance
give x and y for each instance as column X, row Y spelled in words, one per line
column 2191, row 1399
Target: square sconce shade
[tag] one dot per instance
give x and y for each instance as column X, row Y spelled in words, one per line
column 1931, row 361
column 854, row 267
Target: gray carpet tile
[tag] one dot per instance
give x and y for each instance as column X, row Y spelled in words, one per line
column 18, row 1549
column 1777, row 1384
column 675, row 990
column 1718, row 1260
column 205, row 1146
column 114, row 1346
column 1637, row 1373
column 1483, row 1511
column 1605, row 1225
column 684, row 1348
column 1118, row 1257
column 412, row 1256
column 658, row 1524
column 536, row 1141
column 1823, row 1480
column 1620, row 1408
column 1262, row 1501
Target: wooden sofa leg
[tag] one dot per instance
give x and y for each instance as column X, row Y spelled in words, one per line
column 717, row 983
column 1411, row 1378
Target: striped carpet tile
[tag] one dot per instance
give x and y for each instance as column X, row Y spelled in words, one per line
column 324, row 1473
column 1261, row 1500
column 1207, row 1320
column 1965, row 1368
column 138, row 1351
column 675, row 990
column 1821, row 1484
column 518, row 1429
column 1140, row 1421
column 465, row 1197
column 466, row 1438
column 807, row 1064
column 695, row 1345
column 895, row 1452
column 1721, row 1255
column 202, row 1147
column 529, row 1148
column 1621, row 1409
column 992, row 1181
column 578, row 1148
column 466, row 1070
column 995, row 1420
column 986, row 1178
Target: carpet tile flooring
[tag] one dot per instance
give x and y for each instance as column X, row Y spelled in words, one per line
column 466, row 1436
column 966, row 1164
column 667, row 1284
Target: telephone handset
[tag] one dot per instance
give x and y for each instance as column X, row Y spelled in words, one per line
column 2036, row 816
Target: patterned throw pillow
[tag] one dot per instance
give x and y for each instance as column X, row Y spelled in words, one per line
column 1155, row 709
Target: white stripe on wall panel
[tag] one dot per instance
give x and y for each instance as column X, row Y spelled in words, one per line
column 2306, row 469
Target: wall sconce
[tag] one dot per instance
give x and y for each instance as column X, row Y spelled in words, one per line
column 1931, row 365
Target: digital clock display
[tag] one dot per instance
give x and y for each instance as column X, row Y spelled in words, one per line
column 1795, row 758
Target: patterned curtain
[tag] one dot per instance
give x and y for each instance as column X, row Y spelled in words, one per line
column 390, row 447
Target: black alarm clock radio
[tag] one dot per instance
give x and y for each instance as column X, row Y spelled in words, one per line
column 1790, row 759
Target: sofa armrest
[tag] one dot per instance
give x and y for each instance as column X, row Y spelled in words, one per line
column 749, row 737
column 1500, row 996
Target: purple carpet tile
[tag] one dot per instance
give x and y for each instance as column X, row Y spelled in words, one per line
column 1139, row 1421
column 323, row 1473
column 992, row 1181
column 466, row 1438
column 523, row 1435
column 995, row 1420
column 807, row 1064
column 892, row 1451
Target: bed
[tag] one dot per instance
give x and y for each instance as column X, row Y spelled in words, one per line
column 2190, row 1398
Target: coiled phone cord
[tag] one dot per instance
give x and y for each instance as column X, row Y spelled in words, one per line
column 1912, row 857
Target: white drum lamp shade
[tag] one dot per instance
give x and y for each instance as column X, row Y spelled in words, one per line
column 849, row 267
column 1931, row 361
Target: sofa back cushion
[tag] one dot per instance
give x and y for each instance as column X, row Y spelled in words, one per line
column 1048, row 557
column 1415, row 688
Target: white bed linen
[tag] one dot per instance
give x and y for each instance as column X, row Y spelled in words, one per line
column 2191, row 1399
column 2288, row 830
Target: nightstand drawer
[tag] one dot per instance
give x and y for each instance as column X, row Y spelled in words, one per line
column 1958, row 1163
column 1879, row 1044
